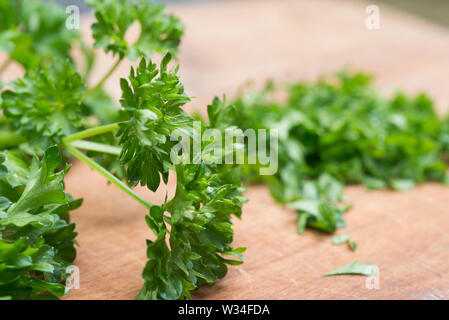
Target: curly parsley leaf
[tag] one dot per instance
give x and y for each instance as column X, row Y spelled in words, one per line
column 36, row 238
column 45, row 105
column 200, row 234
column 159, row 32
column 152, row 99
column 33, row 32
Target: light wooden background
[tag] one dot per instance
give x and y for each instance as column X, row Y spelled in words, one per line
column 228, row 43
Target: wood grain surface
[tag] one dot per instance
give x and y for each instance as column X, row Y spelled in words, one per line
column 228, row 43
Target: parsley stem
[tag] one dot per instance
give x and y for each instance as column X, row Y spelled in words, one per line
column 10, row 139
column 103, row 80
column 95, row 146
column 91, row 132
column 105, row 173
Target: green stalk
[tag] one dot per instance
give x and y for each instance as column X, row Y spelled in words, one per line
column 10, row 139
column 105, row 173
column 97, row 147
column 91, row 132
column 103, row 80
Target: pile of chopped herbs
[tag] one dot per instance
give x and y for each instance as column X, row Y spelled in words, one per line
column 341, row 131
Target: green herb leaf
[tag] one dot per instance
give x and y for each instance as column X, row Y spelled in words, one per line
column 340, row 239
column 36, row 237
column 357, row 268
column 33, row 32
column 344, row 238
column 46, row 103
column 159, row 32
column 152, row 101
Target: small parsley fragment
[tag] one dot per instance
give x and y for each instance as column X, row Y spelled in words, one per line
column 344, row 238
column 355, row 268
column 320, row 208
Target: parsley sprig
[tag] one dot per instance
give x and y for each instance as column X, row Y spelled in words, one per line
column 50, row 114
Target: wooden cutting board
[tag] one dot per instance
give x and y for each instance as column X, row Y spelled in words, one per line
column 228, row 43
